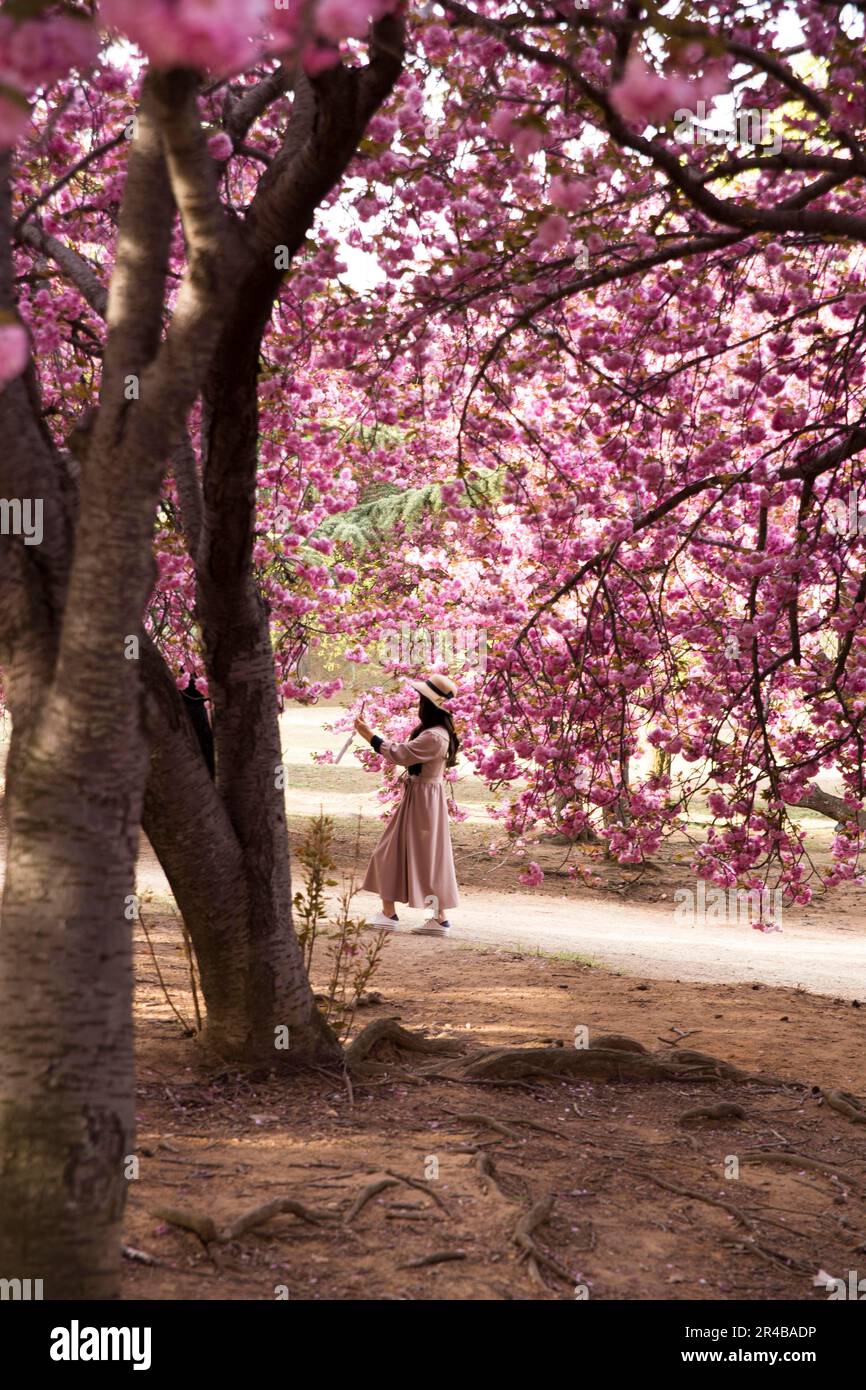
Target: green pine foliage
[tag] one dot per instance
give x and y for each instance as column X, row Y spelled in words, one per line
column 386, row 507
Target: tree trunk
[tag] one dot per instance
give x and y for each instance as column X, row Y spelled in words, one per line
column 78, row 758
column 242, row 683
column 74, row 785
column 67, row 1108
column 200, row 852
column 66, row 1082
column 236, row 899
column 585, row 836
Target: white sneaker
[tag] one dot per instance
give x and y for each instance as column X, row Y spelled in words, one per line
column 432, row 928
column 384, row 923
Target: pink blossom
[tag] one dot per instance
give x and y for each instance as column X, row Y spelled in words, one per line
column 533, row 876
column 220, row 145
column 552, row 231
column 14, row 352
column 214, row 34
column 527, row 141
column 569, row 194
column 712, row 83
column 342, row 19
column 644, row 97
column 39, row 51
column 502, row 123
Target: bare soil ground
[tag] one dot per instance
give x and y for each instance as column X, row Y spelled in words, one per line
column 629, row 1200
column 641, row 1205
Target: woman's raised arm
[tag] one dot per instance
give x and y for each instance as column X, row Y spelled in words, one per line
column 424, row 748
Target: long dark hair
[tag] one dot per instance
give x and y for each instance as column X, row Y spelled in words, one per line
column 432, row 717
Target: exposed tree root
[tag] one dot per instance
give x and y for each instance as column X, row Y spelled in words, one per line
column 618, row 1041
column 484, row 1121
column 752, row 1244
column 523, row 1238
column 365, row 1000
column 386, row 1047
column 472, row 1081
column 609, row 1057
column 846, row 1104
column 129, row 1252
column 488, row 1173
column 597, row 1064
column 207, row 1230
column 370, row 1191
column 533, row 1124
column 799, row 1161
column 725, row 1110
column 439, row 1257
column 425, row 1187
column 485, row 1168
column 388, row 1031
column 696, row 1196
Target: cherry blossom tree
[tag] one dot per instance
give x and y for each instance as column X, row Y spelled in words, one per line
column 122, row 192
column 644, row 237
column 545, row 320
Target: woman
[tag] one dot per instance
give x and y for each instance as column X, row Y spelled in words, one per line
column 413, row 862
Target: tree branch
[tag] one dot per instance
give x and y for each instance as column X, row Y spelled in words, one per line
column 136, row 296
column 241, row 112
column 74, row 266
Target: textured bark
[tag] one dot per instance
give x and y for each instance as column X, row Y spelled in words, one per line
column 329, row 117
column 826, row 804
column 73, row 787
column 66, row 1105
column 225, row 853
column 187, row 822
column 224, row 849
column 78, row 761
column 83, row 720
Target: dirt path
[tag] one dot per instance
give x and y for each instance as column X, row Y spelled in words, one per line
column 638, row 940
column 635, row 939
column 822, row 950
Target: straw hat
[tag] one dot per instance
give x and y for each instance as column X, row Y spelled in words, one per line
column 437, row 689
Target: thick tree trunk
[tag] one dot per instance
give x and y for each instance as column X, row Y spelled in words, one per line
column 253, row 973
column 242, row 683
column 662, row 763
column 66, row 1108
column 74, row 785
column 74, row 788
column 66, row 1082
column 78, row 761
column 200, row 852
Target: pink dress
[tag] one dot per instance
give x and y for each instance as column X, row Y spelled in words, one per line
column 413, row 862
